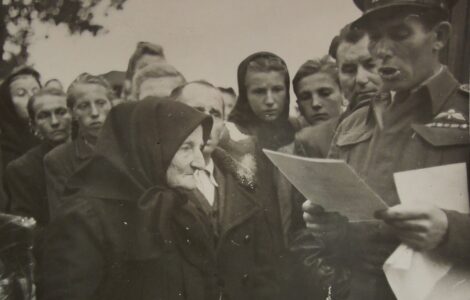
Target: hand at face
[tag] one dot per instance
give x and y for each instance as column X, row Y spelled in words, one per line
column 422, row 226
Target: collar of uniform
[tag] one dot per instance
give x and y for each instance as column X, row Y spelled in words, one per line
column 376, row 107
column 440, row 87
column 424, row 83
column 83, row 150
column 209, row 168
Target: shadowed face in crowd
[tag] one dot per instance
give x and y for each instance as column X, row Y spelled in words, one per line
column 406, row 50
column 208, row 100
column 52, row 118
column 159, row 87
column 266, row 93
column 188, row 159
column 358, row 75
column 21, row 89
column 319, row 98
column 91, row 108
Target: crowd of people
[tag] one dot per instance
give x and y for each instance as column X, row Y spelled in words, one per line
column 142, row 185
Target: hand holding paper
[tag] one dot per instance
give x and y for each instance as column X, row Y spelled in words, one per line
column 330, row 183
column 426, row 275
column 421, row 226
column 320, row 221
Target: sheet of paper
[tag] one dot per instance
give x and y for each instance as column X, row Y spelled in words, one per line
column 330, row 183
column 419, row 275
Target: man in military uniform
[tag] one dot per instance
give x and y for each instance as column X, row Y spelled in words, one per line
column 425, row 124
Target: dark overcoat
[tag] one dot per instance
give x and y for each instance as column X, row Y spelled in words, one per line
column 93, row 253
column 26, row 186
column 60, row 164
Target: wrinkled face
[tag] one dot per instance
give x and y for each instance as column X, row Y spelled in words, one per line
column 405, row 49
column 358, row 75
column 267, row 94
column 52, row 118
column 21, row 89
column 319, row 98
column 229, row 103
column 159, row 87
column 209, row 101
column 188, row 159
column 91, row 108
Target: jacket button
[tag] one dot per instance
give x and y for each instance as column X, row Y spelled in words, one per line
column 245, row 278
column 247, row 238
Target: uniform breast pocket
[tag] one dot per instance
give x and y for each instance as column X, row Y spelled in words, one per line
column 350, row 145
column 353, row 137
column 445, row 145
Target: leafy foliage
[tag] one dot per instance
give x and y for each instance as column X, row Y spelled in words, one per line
column 19, row 15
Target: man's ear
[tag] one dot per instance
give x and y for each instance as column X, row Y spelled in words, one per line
column 442, row 31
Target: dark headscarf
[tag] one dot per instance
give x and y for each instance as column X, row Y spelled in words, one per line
column 16, row 136
column 270, row 135
column 134, row 150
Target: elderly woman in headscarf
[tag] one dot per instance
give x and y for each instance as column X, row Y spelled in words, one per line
column 130, row 228
column 16, row 136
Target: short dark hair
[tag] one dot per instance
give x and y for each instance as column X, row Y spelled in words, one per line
column 348, row 34
column 313, row 66
column 45, row 91
column 228, row 90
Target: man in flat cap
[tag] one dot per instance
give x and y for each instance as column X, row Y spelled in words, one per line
column 425, row 124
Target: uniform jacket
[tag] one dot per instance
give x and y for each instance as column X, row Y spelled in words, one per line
column 315, row 141
column 26, row 185
column 92, row 239
column 426, row 128
column 60, row 164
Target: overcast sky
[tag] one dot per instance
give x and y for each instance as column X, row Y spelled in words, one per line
column 204, row 39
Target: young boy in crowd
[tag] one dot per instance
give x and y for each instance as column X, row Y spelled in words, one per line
column 89, row 99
